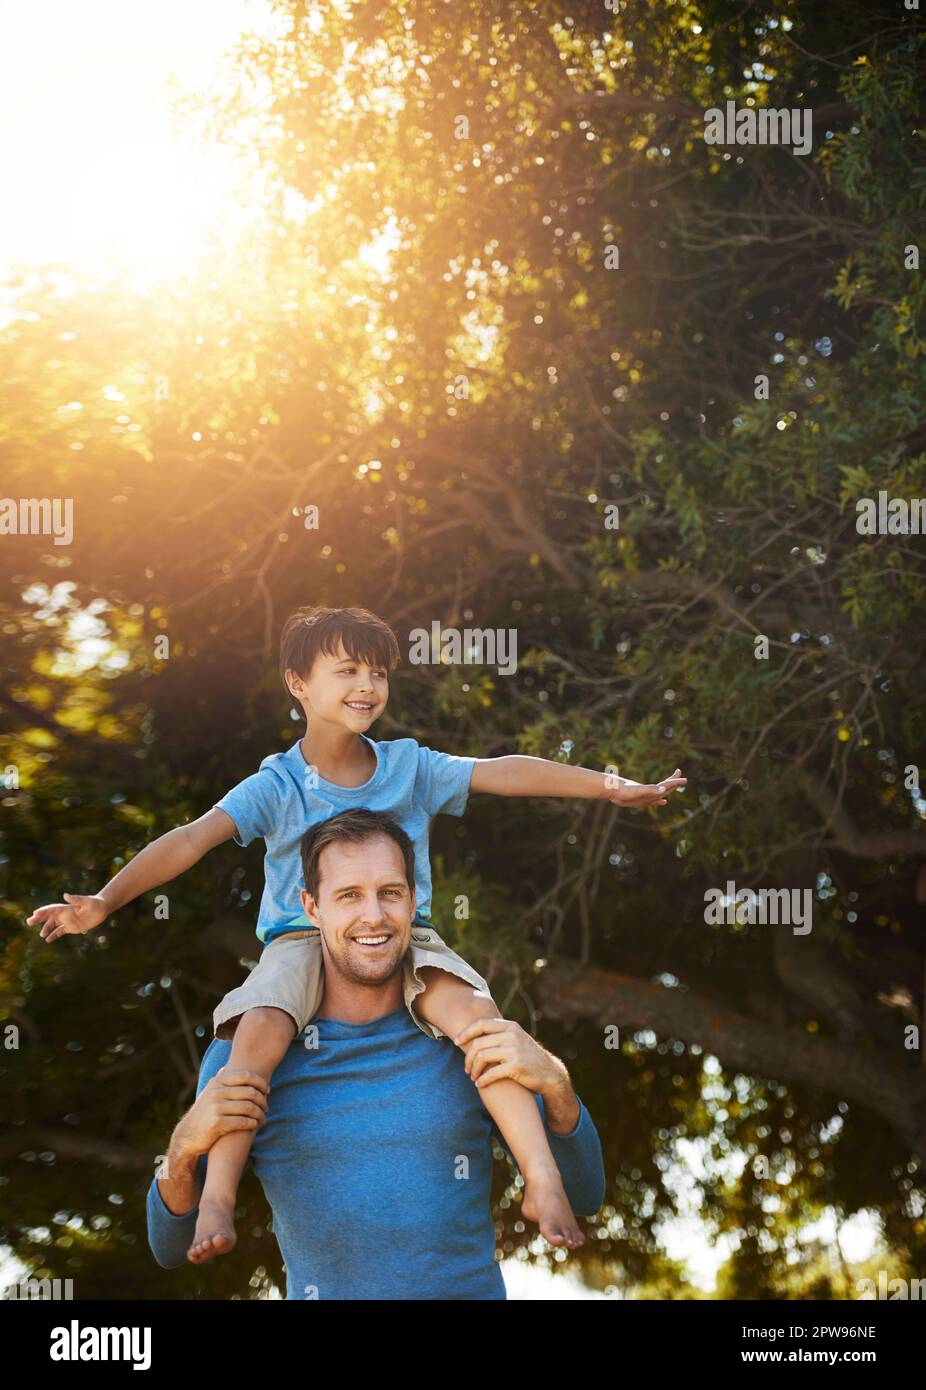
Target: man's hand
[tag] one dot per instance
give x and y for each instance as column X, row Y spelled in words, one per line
column 621, row 791
column 79, row 914
column 230, row 1100
column 497, row 1048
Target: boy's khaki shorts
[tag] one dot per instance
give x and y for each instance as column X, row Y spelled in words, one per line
column 289, row 976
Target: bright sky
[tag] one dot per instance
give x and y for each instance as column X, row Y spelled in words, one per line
column 91, row 172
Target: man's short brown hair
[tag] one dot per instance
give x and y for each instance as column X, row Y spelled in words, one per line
column 314, row 629
column 352, row 827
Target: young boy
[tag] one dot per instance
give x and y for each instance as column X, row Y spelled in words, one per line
column 335, row 664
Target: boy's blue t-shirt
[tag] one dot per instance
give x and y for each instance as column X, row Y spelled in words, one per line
column 285, row 796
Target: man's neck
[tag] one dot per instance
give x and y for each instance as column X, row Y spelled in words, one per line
column 352, row 1003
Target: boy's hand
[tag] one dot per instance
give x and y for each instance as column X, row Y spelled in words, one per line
column 624, row 792
column 77, row 915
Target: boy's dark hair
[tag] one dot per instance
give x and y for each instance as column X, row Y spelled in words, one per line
column 313, row 629
column 353, row 827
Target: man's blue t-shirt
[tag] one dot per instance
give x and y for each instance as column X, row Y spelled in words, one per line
column 376, row 1159
column 285, row 797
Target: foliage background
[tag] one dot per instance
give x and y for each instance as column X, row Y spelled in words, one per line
column 462, row 411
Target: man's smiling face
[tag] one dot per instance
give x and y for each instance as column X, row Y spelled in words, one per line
column 340, row 690
column 364, row 908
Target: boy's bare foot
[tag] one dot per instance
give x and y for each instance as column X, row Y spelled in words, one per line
column 215, row 1231
column 545, row 1202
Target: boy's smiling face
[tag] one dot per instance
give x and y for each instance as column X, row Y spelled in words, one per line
column 339, row 690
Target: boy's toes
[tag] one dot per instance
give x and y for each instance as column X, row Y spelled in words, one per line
column 202, row 1251
column 561, row 1234
column 553, row 1233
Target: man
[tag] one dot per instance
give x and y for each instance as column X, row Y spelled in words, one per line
column 376, row 1154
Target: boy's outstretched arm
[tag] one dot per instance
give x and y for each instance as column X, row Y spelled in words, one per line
column 164, row 859
column 518, row 775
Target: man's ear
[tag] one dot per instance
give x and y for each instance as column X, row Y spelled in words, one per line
column 309, row 906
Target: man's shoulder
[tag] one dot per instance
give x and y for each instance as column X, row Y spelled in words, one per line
column 215, row 1056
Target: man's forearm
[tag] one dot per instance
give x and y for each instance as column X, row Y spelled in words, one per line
column 166, row 858
column 179, row 1186
column 519, row 775
column 560, row 1102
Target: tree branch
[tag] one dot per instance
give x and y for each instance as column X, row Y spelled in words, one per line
column 81, row 1147
column 740, row 1043
column 861, row 844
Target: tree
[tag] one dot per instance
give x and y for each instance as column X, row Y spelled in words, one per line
column 467, row 419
